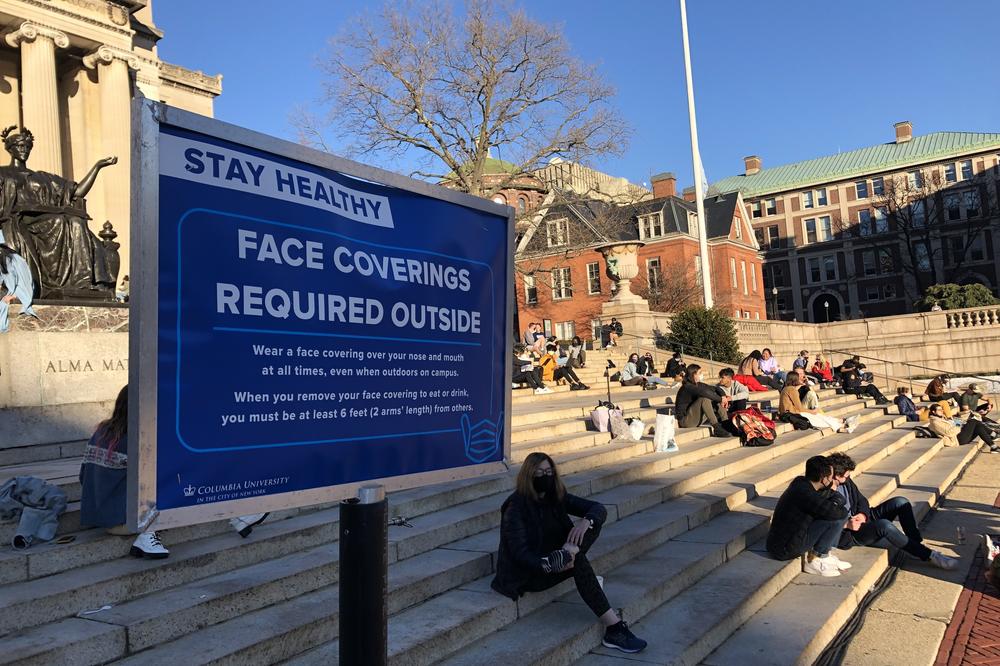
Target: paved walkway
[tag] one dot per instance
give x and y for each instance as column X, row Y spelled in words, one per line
column 933, row 617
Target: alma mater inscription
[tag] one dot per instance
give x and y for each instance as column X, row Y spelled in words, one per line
column 86, row 365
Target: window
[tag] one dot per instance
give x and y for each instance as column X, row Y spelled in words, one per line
column 522, row 207
column 743, row 271
column 878, row 186
column 971, row 201
column 755, row 209
column 923, row 256
column 861, row 187
column 770, row 206
column 952, row 207
column 782, row 304
column 759, row 234
column 871, row 293
column 830, row 267
column 807, row 200
column 825, row 228
column 650, row 226
column 949, row 173
column 732, row 271
column 889, row 291
column 739, row 228
column 500, row 199
column 753, row 277
column 865, row 227
column 697, row 271
column 778, row 275
column 562, row 287
column 886, row 264
column 565, row 330
column 653, row 273
column 915, row 180
column 557, row 232
column 692, row 224
column 966, row 169
column 530, row 290
column 594, row 278
column 773, row 239
column 918, row 214
column 977, row 251
column 815, row 275
column 821, row 197
column 811, row 230
column 547, row 327
column 881, row 219
column 868, row 262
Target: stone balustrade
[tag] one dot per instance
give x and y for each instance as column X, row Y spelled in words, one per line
column 973, row 317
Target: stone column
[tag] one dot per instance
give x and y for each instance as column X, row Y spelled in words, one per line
column 39, row 92
column 115, row 86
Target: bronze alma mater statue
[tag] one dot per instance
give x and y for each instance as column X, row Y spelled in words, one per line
column 44, row 219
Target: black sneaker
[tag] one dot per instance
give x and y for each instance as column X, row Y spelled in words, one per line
column 619, row 636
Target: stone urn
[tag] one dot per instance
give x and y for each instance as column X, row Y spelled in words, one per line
column 622, row 260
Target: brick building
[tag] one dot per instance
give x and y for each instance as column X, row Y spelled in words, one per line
column 561, row 279
column 836, row 247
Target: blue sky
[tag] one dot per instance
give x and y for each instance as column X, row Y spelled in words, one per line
column 787, row 80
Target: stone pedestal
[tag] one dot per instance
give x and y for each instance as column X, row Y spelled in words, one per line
column 630, row 309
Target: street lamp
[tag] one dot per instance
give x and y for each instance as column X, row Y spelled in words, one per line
column 774, row 295
column 826, row 304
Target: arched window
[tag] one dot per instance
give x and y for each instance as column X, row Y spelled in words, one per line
column 500, row 199
column 522, row 205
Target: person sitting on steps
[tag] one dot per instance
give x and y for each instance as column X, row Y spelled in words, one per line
column 615, row 331
column 936, row 390
column 749, row 374
column 541, row 546
column 905, row 405
column 953, row 434
column 552, row 371
column 808, row 520
column 769, row 366
column 699, row 404
column 822, row 371
column 647, row 368
column 971, row 400
column 737, row 393
column 802, row 360
column 675, row 368
column 577, row 354
column 851, row 381
column 873, row 526
column 524, row 371
column 630, row 373
column 791, row 403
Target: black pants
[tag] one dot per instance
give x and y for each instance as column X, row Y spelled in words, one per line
column 582, row 574
column 769, row 381
column 567, row 373
column 529, row 378
column 701, row 412
column 737, row 406
column 975, row 428
column 635, row 381
column 880, row 532
column 944, row 396
column 870, row 390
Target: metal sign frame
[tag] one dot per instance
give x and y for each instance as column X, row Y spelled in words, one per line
column 147, row 116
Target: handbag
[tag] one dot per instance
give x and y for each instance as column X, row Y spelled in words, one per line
column 636, row 429
column 664, row 433
column 601, row 418
column 618, row 426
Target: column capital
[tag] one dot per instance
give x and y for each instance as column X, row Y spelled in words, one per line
column 29, row 32
column 105, row 55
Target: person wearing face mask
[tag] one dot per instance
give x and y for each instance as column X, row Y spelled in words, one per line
column 541, row 546
column 699, row 404
column 808, row 521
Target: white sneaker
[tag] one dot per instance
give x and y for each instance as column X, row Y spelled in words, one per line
column 244, row 524
column 851, row 423
column 514, row 386
column 819, row 566
column 542, row 391
column 837, row 562
column 148, row 544
column 989, row 550
column 942, row 561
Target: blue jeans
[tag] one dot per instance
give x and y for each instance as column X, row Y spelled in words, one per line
column 823, row 535
column 780, row 375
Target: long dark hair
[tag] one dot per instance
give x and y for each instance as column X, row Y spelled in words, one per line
column 6, row 252
column 113, row 430
column 525, row 486
column 689, row 373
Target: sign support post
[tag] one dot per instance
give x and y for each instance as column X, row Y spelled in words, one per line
column 364, row 571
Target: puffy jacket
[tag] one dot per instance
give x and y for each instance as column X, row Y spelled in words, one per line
column 521, row 537
column 797, row 508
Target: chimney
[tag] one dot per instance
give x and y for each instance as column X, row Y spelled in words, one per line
column 752, row 164
column 904, row 131
column 664, row 185
column 689, row 193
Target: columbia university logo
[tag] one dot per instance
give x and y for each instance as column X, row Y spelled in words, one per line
column 189, row 491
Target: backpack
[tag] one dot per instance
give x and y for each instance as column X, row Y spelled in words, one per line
column 924, row 432
column 797, row 421
column 755, row 429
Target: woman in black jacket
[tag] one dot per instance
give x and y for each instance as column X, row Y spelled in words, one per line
column 696, row 403
column 851, row 381
column 540, row 546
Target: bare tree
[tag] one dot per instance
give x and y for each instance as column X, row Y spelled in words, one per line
column 417, row 80
column 675, row 288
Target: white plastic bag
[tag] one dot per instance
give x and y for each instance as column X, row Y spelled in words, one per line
column 636, row 429
column 618, row 426
column 663, row 438
column 600, row 418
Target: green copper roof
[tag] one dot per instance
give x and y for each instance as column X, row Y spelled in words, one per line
column 843, row 166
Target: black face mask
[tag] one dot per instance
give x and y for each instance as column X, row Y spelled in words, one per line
column 544, row 484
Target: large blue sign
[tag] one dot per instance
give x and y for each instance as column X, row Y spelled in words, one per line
column 316, row 330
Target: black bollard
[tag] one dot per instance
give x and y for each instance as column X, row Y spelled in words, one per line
column 364, row 570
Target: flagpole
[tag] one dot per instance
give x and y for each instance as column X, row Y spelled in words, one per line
column 699, row 190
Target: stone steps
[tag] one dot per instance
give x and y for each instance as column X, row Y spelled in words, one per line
column 695, row 529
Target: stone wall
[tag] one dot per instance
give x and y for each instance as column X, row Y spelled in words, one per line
column 69, row 355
